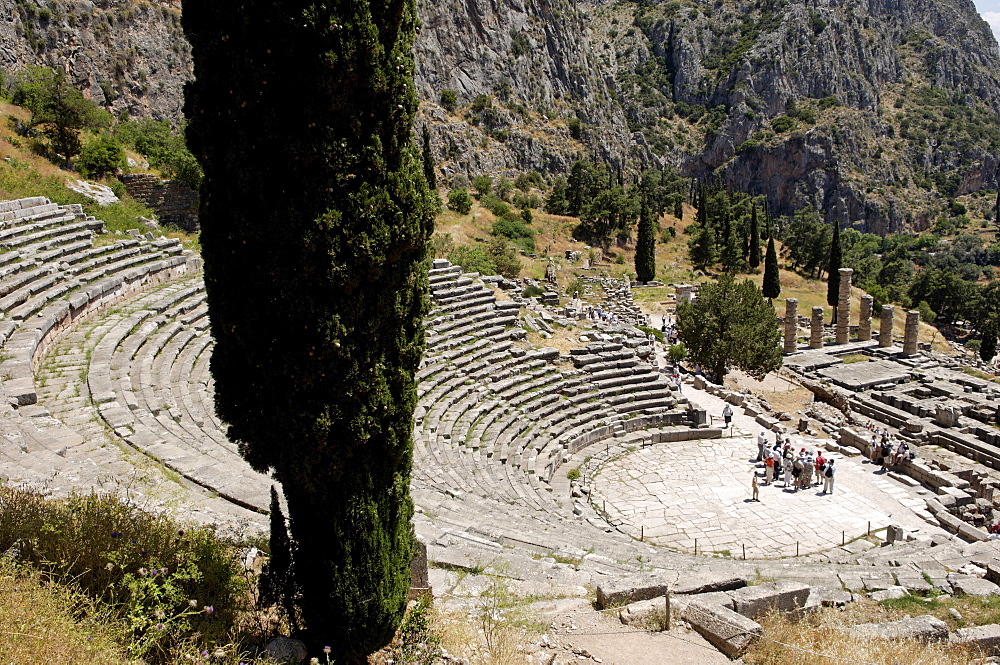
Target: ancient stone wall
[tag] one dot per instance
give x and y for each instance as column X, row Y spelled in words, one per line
column 173, row 202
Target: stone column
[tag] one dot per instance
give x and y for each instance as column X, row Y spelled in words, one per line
column 684, row 292
column 791, row 324
column 885, row 327
column 910, row 334
column 816, row 329
column 865, row 322
column 844, row 307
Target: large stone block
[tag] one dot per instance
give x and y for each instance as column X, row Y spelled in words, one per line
column 974, row 586
column 985, row 639
column 702, row 585
column 731, row 633
column 783, row 596
column 629, row 590
column 925, row 628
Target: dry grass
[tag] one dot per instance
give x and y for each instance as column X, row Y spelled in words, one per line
column 47, row 623
column 824, row 639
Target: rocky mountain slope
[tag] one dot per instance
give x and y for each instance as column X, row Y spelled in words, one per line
column 875, row 111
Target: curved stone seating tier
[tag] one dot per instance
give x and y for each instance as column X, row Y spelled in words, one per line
column 148, row 378
column 495, row 421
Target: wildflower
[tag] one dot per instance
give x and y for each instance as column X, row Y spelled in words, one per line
column 163, row 571
column 159, row 614
column 193, row 603
column 204, row 654
column 180, row 532
column 209, row 609
column 110, row 566
column 327, row 650
column 115, row 534
column 314, row 661
column 160, row 626
column 143, row 572
column 219, row 652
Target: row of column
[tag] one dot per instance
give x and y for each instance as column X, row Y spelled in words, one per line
column 843, row 329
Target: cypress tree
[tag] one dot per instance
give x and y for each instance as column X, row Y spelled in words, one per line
column 428, row 159
column 679, row 207
column 754, row 258
column 315, row 220
column 277, row 583
column 645, row 249
column 833, row 271
column 996, row 207
column 772, row 281
column 988, row 345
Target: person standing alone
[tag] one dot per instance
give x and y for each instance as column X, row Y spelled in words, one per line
column 828, row 477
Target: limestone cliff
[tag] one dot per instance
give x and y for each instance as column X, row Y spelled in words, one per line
column 127, row 56
column 875, row 111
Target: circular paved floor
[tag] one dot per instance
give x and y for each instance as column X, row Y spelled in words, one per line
column 678, row 492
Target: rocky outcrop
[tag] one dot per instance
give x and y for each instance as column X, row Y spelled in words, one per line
column 873, row 113
column 128, row 57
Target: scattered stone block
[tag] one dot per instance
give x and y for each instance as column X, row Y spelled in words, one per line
column 708, row 586
column 974, row 586
column 985, row 639
column 629, row 590
column 783, row 596
column 830, row 597
column 889, row 594
column 731, row 633
column 925, row 628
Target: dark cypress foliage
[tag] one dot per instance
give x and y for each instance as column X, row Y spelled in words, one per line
column 833, row 271
column 315, row 217
column 996, row 208
column 428, row 159
column 988, row 345
column 772, row 281
column 277, row 583
column 679, row 207
column 754, row 258
column 645, row 248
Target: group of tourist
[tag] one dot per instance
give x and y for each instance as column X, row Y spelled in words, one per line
column 800, row 470
column 884, row 450
column 598, row 314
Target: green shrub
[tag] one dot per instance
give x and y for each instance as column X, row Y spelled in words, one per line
column 460, row 201
column 449, row 99
column 532, row 290
column 164, row 580
column 473, row 259
column 495, row 205
column 657, row 334
column 481, row 103
column 483, row 184
column 573, row 474
column 782, row 124
column 575, row 287
column 511, row 227
column 575, row 128
column 101, row 156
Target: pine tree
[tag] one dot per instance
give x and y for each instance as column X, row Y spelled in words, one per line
column 772, row 281
column 754, row 258
column 315, row 221
column 833, row 271
column 645, row 248
column 428, row 159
